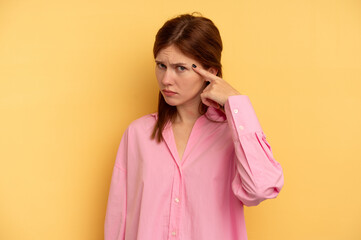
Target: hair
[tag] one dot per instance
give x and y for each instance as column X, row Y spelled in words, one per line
column 198, row 38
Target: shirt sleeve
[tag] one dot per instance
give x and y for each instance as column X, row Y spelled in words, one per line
column 258, row 175
column 114, row 226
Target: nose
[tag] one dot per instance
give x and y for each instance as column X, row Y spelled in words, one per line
column 167, row 78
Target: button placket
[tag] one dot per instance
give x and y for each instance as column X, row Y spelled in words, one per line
column 175, row 210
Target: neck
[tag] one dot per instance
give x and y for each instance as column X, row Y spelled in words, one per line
column 187, row 114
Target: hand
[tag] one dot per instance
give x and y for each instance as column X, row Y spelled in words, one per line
column 218, row 90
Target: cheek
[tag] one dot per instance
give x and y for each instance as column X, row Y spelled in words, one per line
column 194, row 85
column 158, row 76
column 198, row 82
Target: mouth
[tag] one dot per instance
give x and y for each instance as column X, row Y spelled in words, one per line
column 168, row 92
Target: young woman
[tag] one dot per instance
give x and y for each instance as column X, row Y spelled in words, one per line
column 187, row 171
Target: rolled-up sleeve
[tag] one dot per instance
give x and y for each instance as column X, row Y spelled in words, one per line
column 258, row 175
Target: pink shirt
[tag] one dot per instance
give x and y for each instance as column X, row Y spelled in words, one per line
column 154, row 195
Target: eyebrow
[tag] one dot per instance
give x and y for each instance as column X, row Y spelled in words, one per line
column 173, row 64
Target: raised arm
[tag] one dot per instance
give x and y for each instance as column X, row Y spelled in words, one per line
column 259, row 176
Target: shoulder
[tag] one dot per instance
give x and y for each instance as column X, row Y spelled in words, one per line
column 143, row 124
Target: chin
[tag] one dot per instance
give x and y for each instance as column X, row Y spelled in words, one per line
column 171, row 103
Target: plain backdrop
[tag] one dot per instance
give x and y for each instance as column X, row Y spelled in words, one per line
column 75, row 73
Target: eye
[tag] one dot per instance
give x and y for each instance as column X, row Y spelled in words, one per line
column 161, row 66
column 181, row 68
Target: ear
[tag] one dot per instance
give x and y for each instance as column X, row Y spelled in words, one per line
column 213, row 70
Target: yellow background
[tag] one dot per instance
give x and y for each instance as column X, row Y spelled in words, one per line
column 74, row 74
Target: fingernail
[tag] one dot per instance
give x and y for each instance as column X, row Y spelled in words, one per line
column 194, row 66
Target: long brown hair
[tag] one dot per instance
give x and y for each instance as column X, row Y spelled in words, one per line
column 196, row 37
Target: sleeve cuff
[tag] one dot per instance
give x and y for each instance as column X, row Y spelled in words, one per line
column 241, row 115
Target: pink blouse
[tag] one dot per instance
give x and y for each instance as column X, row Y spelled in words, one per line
column 226, row 164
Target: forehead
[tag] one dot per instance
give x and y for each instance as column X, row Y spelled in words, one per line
column 173, row 54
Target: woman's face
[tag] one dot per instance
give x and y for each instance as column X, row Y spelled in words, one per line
column 178, row 83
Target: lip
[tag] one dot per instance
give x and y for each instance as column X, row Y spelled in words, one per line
column 168, row 93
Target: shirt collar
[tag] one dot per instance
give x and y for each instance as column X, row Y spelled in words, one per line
column 212, row 114
column 215, row 114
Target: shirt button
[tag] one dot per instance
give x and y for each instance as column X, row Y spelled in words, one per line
column 235, row 110
column 174, row 233
column 241, row 127
column 176, row 200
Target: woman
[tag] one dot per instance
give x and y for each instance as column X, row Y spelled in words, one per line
column 186, row 171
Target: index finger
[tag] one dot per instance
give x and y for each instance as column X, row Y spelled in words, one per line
column 205, row 74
